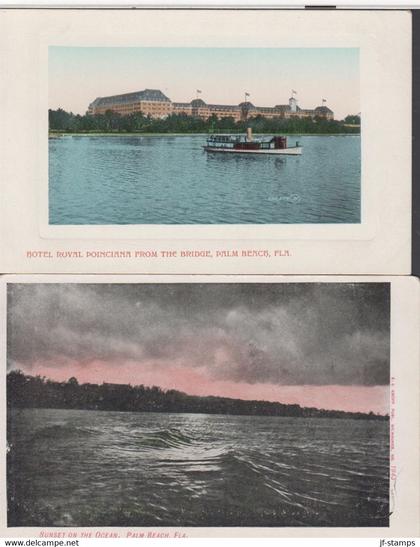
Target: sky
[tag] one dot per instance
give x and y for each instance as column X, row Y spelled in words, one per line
column 78, row 75
column 315, row 344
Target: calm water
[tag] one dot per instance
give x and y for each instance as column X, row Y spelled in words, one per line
column 88, row 468
column 171, row 180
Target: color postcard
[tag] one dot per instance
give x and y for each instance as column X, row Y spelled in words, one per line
column 215, row 155
column 197, row 147
column 195, row 405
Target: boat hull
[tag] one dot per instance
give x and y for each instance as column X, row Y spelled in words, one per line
column 293, row 151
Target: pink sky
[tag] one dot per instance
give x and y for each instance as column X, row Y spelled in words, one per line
column 196, row 381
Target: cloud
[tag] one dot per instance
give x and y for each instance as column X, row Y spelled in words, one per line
column 284, row 334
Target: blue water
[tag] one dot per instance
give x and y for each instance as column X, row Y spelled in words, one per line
column 93, row 468
column 172, row 180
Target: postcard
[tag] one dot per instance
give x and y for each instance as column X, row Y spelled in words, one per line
column 160, row 169
column 194, row 406
column 184, row 141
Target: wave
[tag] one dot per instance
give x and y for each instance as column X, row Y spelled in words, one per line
column 164, row 438
column 148, row 470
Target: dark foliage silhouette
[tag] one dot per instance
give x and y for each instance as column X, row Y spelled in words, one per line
column 24, row 391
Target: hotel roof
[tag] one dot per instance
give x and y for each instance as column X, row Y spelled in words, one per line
column 223, row 107
column 323, row 109
column 145, row 95
column 247, row 105
column 198, row 103
column 284, row 107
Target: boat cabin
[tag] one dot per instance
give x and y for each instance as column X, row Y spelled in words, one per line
column 242, row 142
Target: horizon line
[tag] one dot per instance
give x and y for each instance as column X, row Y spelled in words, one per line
column 165, row 390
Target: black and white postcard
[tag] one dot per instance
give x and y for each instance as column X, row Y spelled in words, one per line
column 194, row 405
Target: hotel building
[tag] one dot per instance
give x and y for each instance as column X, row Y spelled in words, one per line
column 153, row 103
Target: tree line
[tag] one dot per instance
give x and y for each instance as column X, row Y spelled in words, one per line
column 113, row 122
column 25, row 391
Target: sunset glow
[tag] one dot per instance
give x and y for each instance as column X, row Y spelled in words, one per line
column 196, row 382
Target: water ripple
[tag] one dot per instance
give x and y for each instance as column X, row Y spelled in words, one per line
column 171, row 180
column 88, row 468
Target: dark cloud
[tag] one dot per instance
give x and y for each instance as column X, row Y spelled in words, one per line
column 288, row 333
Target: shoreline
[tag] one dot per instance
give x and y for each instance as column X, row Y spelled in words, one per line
column 116, row 134
column 363, row 416
column 28, row 392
